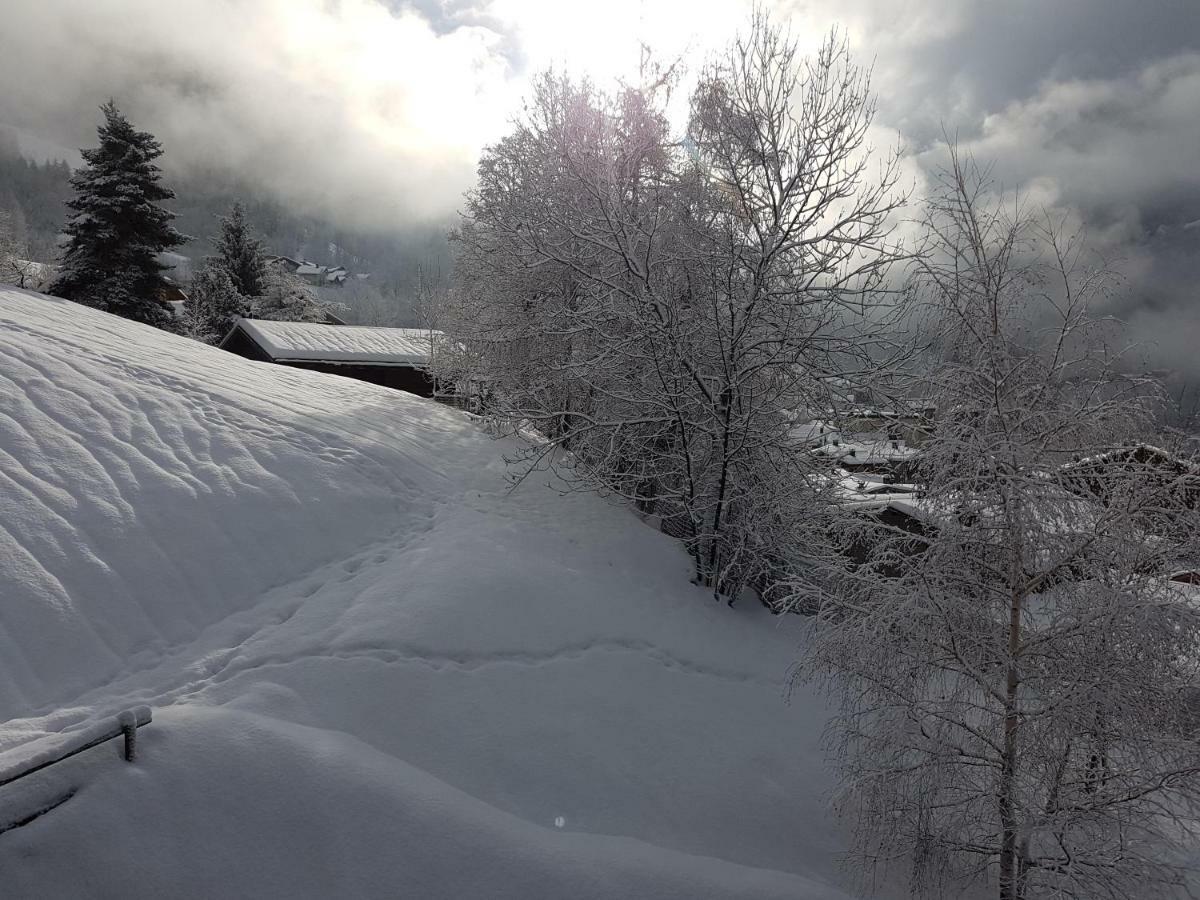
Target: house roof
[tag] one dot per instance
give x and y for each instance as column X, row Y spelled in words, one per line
column 1136, row 454
column 864, row 453
column 318, row 342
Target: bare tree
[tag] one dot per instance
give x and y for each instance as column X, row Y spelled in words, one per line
column 1015, row 678
column 657, row 307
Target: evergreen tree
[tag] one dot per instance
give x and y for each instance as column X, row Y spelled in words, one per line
column 240, row 253
column 118, row 229
column 212, row 305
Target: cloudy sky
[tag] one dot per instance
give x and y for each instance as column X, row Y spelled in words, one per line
column 374, row 111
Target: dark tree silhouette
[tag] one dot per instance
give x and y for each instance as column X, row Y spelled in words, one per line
column 118, row 229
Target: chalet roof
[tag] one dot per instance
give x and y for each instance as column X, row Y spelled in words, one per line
column 295, row 263
column 318, row 342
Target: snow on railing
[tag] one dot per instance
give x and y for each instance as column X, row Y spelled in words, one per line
column 127, row 724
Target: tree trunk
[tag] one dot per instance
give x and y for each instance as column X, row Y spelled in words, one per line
column 722, row 486
column 1009, row 881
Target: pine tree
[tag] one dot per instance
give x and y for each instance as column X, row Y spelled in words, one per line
column 212, row 305
column 118, row 229
column 240, row 253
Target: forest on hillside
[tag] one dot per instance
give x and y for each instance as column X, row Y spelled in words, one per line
column 33, row 194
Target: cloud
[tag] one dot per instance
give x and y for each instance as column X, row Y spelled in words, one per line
column 373, row 112
column 1118, row 148
column 1089, row 109
column 342, row 107
column 1118, row 156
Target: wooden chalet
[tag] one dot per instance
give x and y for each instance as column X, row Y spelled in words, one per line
column 397, row 358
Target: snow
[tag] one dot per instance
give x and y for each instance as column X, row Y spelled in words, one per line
column 375, row 670
column 21, row 761
column 872, row 453
column 815, row 432
column 340, row 343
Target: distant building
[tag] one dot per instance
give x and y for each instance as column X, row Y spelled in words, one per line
column 322, row 276
column 892, row 458
column 397, row 358
column 170, row 292
column 285, row 264
column 310, row 272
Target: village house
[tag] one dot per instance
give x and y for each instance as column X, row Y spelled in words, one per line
column 311, row 273
column 397, row 358
column 892, row 460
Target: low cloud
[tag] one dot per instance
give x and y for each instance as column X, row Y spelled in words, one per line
column 373, row 112
column 345, row 108
column 370, row 111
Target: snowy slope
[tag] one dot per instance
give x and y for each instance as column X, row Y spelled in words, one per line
column 375, row 670
column 145, row 493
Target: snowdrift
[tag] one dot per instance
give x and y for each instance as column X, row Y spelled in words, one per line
column 376, row 670
column 145, row 493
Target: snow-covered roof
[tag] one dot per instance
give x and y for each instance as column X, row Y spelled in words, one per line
column 867, row 453
column 287, row 259
column 816, row 431
column 309, row 269
column 340, row 343
column 1123, row 455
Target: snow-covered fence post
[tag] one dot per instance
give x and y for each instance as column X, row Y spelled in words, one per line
column 126, row 723
column 129, row 724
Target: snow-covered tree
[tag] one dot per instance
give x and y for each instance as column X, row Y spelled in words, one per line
column 1017, row 676
column 118, row 229
column 286, row 298
column 10, row 252
column 212, row 306
column 15, row 267
column 240, row 253
column 656, row 308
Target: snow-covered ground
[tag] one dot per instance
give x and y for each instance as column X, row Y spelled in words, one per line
column 375, row 671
